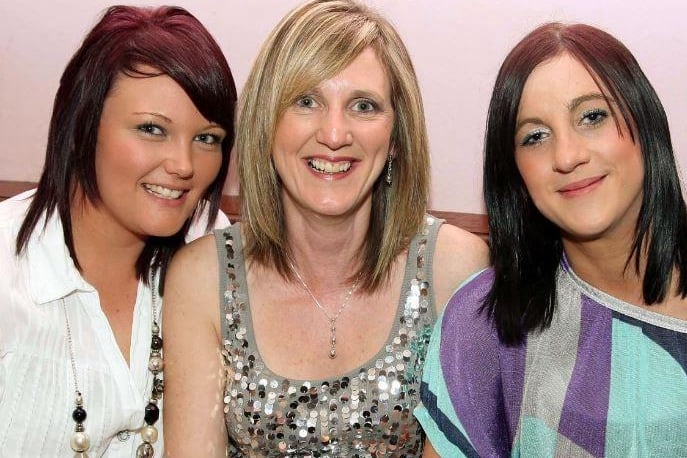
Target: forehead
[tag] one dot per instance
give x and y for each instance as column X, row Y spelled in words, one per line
column 364, row 72
column 557, row 80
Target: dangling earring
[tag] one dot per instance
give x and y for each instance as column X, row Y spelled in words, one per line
column 388, row 170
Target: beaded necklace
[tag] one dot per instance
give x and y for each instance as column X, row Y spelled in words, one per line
column 80, row 442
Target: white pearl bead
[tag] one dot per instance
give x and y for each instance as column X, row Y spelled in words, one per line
column 80, row 442
column 155, row 364
column 149, row 434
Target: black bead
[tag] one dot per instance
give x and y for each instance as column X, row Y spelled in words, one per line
column 79, row 415
column 152, row 414
column 156, row 343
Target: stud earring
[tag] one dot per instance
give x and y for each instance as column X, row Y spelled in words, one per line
column 388, row 170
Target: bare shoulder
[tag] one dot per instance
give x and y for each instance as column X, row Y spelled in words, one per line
column 458, row 255
column 193, row 277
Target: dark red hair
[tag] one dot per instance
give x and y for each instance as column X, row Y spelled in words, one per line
column 174, row 43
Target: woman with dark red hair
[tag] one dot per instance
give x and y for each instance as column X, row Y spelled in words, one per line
column 137, row 154
column 575, row 342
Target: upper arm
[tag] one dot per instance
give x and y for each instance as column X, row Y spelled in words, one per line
column 429, row 451
column 458, row 254
column 193, row 409
column 463, row 409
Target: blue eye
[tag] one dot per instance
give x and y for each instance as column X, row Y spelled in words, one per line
column 365, row 106
column 151, row 129
column 594, row 116
column 306, row 101
column 534, row 138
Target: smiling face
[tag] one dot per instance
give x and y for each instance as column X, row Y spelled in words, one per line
column 331, row 144
column 582, row 175
column 155, row 156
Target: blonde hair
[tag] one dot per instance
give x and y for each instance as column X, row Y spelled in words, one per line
column 313, row 43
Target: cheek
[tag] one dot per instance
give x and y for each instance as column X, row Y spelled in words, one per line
column 207, row 166
column 291, row 133
column 377, row 136
column 630, row 154
column 533, row 173
column 530, row 172
column 116, row 159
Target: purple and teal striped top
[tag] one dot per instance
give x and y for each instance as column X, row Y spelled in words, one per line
column 607, row 378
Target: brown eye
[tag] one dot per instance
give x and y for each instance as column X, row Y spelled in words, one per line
column 150, row 129
column 593, row 117
column 209, row 139
column 534, row 137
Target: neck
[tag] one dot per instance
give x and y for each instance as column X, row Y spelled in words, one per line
column 604, row 265
column 105, row 251
column 327, row 250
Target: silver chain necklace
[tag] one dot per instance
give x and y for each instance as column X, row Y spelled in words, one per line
column 80, row 442
column 330, row 318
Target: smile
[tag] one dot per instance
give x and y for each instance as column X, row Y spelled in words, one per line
column 322, row 166
column 582, row 186
column 162, row 192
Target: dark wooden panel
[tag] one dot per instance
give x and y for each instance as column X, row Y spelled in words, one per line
column 12, row 188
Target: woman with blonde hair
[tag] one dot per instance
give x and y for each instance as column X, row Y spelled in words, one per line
column 308, row 336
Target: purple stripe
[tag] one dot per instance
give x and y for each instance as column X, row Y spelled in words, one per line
column 513, row 361
column 469, row 358
column 585, row 410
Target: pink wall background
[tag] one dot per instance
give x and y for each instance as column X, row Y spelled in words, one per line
column 457, row 47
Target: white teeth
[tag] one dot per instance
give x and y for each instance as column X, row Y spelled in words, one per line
column 329, row 167
column 163, row 192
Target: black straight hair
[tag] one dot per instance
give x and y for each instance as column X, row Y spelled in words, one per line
column 526, row 248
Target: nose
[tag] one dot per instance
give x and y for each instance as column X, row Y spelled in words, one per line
column 569, row 153
column 179, row 160
column 334, row 130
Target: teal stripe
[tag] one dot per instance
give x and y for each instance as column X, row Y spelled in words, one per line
column 434, row 379
column 537, row 439
column 648, row 395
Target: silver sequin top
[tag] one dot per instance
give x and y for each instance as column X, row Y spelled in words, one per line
column 368, row 412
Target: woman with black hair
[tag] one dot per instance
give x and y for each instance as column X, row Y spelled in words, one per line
column 137, row 154
column 575, row 342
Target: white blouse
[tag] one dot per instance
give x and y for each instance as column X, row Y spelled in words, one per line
column 36, row 378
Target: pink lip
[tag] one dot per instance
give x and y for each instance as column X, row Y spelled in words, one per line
column 581, row 187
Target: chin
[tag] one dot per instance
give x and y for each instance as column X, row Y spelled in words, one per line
column 586, row 233
column 163, row 230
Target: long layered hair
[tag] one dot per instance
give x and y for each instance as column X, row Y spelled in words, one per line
column 526, row 248
column 312, row 43
column 172, row 42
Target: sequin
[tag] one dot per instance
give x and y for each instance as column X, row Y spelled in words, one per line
column 367, row 413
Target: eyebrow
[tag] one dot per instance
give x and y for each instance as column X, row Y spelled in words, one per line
column 574, row 103
column 212, row 125
column 152, row 113
column 577, row 101
column 356, row 94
